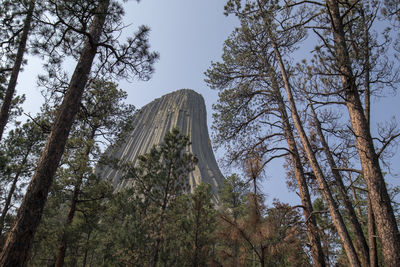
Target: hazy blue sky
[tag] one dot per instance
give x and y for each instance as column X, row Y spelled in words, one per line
column 188, row 34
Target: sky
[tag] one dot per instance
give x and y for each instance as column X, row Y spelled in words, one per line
column 188, row 34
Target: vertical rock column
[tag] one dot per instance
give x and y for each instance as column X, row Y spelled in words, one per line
column 184, row 109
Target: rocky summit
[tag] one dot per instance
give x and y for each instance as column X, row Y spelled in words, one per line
column 184, row 109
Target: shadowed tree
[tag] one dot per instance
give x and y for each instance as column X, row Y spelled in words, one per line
column 12, row 82
column 232, row 195
column 102, row 115
column 21, row 151
column 132, row 58
column 160, row 176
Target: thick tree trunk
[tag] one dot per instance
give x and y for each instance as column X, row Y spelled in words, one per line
column 326, row 193
column 6, row 106
column 381, row 204
column 312, row 229
column 74, row 200
column 18, row 243
column 360, row 241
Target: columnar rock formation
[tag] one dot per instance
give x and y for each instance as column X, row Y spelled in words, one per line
column 184, row 109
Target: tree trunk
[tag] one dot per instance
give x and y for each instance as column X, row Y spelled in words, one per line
column 74, row 200
column 312, row 229
column 326, row 193
column 236, row 243
column 18, row 243
column 159, row 239
column 356, row 200
column 360, row 242
column 373, row 252
column 195, row 260
column 262, row 259
column 5, row 108
column 11, row 192
column 381, row 204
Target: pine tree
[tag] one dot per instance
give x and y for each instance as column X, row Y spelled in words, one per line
column 140, row 224
column 160, row 176
column 251, row 114
column 233, row 198
column 20, row 150
column 202, row 222
column 19, row 241
column 102, row 116
column 12, row 83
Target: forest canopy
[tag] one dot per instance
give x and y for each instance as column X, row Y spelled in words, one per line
column 296, row 82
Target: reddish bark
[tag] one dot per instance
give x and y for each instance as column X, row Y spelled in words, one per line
column 326, row 192
column 18, row 243
column 381, row 204
column 74, row 200
column 359, row 238
column 312, row 229
column 6, row 106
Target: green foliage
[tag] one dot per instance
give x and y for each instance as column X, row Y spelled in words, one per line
column 20, row 154
column 81, row 232
column 151, row 223
column 329, row 238
column 123, row 236
column 156, row 222
column 202, row 223
column 161, row 174
column 249, row 233
column 233, row 195
column 77, row 195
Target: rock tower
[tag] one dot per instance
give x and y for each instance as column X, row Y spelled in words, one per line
column 184, row 109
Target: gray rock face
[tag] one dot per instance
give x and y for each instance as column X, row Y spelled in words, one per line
column 184, row 109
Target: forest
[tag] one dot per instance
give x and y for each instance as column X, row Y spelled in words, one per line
column 296, row 82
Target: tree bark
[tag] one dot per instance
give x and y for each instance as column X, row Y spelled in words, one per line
column 18, row 243
column 11, row 192
column 160, row 238
column 373, row 250
column 360, row 241
column 326, row 193
column 312, row 229
column 381, row 204
column 6, row 106
column 71, row 213
column 373, row 253
column 74, row 200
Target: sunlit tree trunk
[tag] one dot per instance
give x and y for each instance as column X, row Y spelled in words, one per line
column 381, row 204
column 373, row 253
column 312, row 229
column 360, row 242
column 326, row 192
